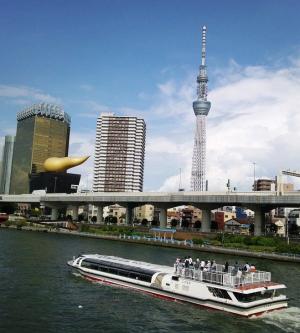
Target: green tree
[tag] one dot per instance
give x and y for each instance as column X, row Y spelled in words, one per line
column 114, row 220
column 214, row 225
column 110, row 219
column 185, row 223
column 144, row 222
column 251, row 228
column 197, row 224
column 174, row 223
column 69, row 218
column 80, row 217
column 154, row 223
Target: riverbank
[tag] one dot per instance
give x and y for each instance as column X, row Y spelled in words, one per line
column 161, row 243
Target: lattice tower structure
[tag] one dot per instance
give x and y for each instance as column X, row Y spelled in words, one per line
column 201, row 108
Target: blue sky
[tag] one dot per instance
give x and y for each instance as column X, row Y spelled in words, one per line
column 141, row 58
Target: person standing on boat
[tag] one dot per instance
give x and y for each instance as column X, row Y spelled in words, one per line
column 208, row 265
column 214, row 266
column 202, row 265
column 226, row 267
column 246, row 268
column 177, row 263
column 235, row 268
column 186, row 266
column 238, row 277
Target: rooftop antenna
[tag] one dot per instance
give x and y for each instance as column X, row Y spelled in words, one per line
column 180, row 189
column 203, row 50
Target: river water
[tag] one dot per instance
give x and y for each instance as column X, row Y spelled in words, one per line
column 38, row 292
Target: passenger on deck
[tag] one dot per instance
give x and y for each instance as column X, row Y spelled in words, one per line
column 186, row 266
column 197, row 264
column 191, row 267
column 208, row 265
column 214, row 266
column 225, row 270
column 235, row 268
column 202, row 265
column 177, row 263
column 197, row 268
column 252, row 268
column 238, row 277
column 246, row 268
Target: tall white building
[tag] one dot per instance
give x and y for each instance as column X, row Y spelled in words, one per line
column 119, row 154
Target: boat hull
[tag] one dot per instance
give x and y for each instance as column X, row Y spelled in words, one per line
column 253, row 311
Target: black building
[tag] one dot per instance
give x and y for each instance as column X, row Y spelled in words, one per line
column 54, row 182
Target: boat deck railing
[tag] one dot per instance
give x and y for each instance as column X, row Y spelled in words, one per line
column 218, row 276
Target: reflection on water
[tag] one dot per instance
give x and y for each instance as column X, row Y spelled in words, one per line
column 38, row 292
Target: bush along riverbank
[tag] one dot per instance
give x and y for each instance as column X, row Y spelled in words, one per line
column 255, row 244
column 252, row 243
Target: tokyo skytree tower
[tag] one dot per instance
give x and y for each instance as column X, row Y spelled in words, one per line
column 201, row 108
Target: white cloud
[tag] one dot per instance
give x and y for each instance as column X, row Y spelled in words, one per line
column 23, row 95
column 254, row 118
column 93, row 109
column 82, row 144
column 167, row 89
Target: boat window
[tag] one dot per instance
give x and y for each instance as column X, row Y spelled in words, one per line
column 175, row 278
column 89, row 265
column 135, row 273
column 245, row 298
column 221, row 293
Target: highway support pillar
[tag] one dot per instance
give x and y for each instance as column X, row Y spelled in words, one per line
column 129, row 215
column 206, row 222
column 258, row 221
column 163, row 217
column 75, row 213
column 99, row 214
column 54, row 214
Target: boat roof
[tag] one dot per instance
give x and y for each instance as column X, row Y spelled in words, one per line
column 131, row 263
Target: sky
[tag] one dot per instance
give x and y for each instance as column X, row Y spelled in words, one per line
column 141, row 58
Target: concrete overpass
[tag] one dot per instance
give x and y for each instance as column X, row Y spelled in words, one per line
column 259, row 202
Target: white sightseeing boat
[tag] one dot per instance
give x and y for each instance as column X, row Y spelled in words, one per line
column 249, row 295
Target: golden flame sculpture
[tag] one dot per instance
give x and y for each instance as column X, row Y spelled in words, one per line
column 60, row 164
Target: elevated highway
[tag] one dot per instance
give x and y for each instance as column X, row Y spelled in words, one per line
column 259, row 202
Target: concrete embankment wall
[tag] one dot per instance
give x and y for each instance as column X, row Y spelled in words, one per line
column 201, row 248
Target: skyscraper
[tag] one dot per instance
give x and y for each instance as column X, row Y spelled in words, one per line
column 43, row 131
column 201, row 108
column 7, row 163
column 119, row 154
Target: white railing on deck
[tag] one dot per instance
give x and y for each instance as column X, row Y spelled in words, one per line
column 217, row 276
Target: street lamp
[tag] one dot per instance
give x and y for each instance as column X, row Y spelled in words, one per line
column 287, row 231
column 55, row 179
column 254, row 176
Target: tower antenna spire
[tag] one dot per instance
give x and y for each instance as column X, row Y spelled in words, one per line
column 201, row 108
column 203, row 53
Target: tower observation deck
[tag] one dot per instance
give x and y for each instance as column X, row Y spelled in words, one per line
column 201, row 108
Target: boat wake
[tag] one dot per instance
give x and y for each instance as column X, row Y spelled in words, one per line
column 288, row 319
